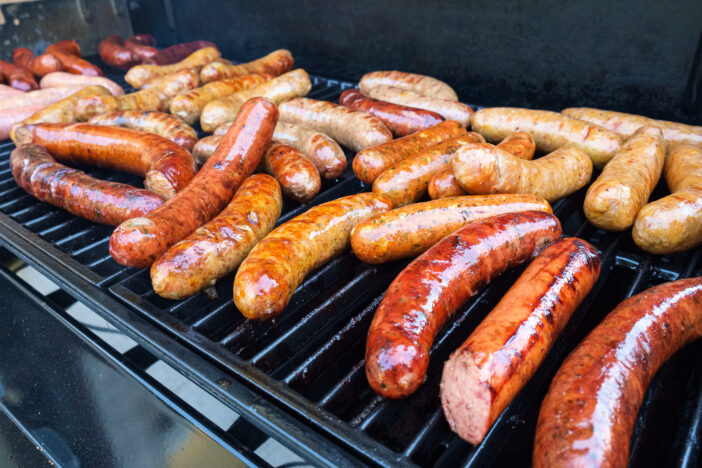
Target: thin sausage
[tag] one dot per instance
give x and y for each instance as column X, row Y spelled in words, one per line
column 420, row 84
column 177, row 52
column 115, row 54
column 158, row 123
column 57, row 79
column 444, row 185
column 17, row 77
column 40, row 66
column 276, row 63
column 69, row 54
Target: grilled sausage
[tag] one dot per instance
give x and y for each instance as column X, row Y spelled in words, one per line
column 411, row 230
column 420, row 84
column 444, row 185
column 627, row 181
column 115, row 54
column 10, row 117
column 40, row 66
column 140, row 241
column 142, row 45
column 217, row 248
column 276, row 63
column 141, row 74
column 430, row 289
column 674, row 223
column 625, row 125
column 484, row 375
column 588, row 414
column 178, row 52
column 8, row 91
column 520, row 144
column 298, row 177
column 281, row 88
column 158, row 123
column 102, row 202
column 400, row 120
column 58, row 79
column 188, row 106
column 40, row 97
column 276, row 266
column 370, row 163
column 17, row 77
column 550, row 131
column 69, row 54
column 481, row 169
column 166, row 166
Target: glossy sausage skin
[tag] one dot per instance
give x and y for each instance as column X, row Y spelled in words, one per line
column 487, row 371
column 178, row 52
column 420, row 84
column 36, row 171
column 400, row 120
column 297, row 176
column 520, row 144
column 276, row 63
column 444, row 185
column 588, row 414
column 40, row 66
column 217, row 248
column 431, row 289
column 166, row 166
column 115, row 54
column 58, row 79
column 411, row 230
column 269, row 276
column 142, row 45
column 17, row 77
column 141, row 74
column 158, row 123
column 10, row 117
column 68, row 52
column 141, row 241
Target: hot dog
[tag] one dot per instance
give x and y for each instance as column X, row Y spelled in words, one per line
column 114, row 53
column 178, row 52
column 483, row 376
column 57, row 79
column 430, row 289
column 297, row 176
column 40, row 97
column 68, row 52
column 140, row 241
column 420, row 84
column 8, row 91
column 158, row 123
column 276, row 266
column 444, row 185
column 142, row 45
column 141, row 74
column 276, row 63
column 17, row 77
column 520, row 144
column 12, row 116
column 40, row 66
column 588, row 414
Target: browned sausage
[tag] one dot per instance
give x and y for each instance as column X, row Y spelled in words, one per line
column 444, row 185
column 298, row 177
column 276, row 63
column 115, row 54
column 141, row 74
column 60, row 79
column 68, row 52
column 142, row 45
column 178, row 52
column 40, row 66
column 158, row 123
column 17, row 77
column 520, row 144
column 420, row 84
column 484, row 375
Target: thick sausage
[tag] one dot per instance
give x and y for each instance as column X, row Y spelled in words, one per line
column 407, row 181
column 400, row 120
column 431, row 289
column 40, row 97
column 97, row 200
column 411, row 230
column 159, row 123
column 177, row 52
column 141, row 241
column 166, row 166
column 450, row 110
column 276, row 63
column 626, row 182
column 625, row 125
column 10, row 117
column 550, row 131
column 40, row 66
column 142, row 45
column 298, row 177
column 141, row 74
column 520, row 144
column 8, row 91
column 588, row 414
column 115, row 54
column 17, row 77
column 370, row 163
column 444, row 185
column 276, row 266
column 281, row 88
column 484, row 375
column 674, row 223
column 57, row 79
column 205, row 147
column 481, row 169
column 217, row 248
column 420, row 84
column 68, row 52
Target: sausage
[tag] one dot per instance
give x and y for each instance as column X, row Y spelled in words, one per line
column 205, row 147
column 550, row 131
column 142, row 45
column 141, row 74
column 407, row 181
column 281, row 88
column 166, row 166
column 626, row 182
column 158, row 123
column 298, row 177
column 97, row 200
column 481, row 169
column 420, row 84
column 276, row 266
column 588, row 414
column 177, row 52
column 370, row 163
column 57, row 79
column 8, row 91
column 188, row 106
column 141, row 241
column 115, row 54
column 17, row 77
column 69, row 54
column 400, row 120
column 40, row 97
column 411, row 230
column 9, row 117
column 217, row 248
column 625, row 125
column 450, row 110
column 444, row 185
column 674, row 223
column 520, row 144
column 430, row 289
column 487, row 371
column 276, row 63
column 40, row 66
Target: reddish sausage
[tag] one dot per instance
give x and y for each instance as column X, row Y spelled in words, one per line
column 178, row 52
column 114, row 53
column 17, row 77
column 68, row 53
column 40, row 66
column 159, row 123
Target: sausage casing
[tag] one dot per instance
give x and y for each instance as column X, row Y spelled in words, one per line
column 141, row 74
column 444, row 185
column 40, row 65
column 158, row 123
column 297, row 176
column 421, row 84
column 276, row 63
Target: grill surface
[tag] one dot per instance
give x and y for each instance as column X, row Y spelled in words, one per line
column 310, row 362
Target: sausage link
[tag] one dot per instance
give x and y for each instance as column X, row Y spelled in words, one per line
column 142, row 45
column 69, row 54
column 217, row 248
column 177, row 52
column 141, row 74
column 588, row 414
column 520, row 144
column 627, row 181
column 431, row 289
column 276, row 63
column 40, row 97
column 298, row 177
column 40, row 66
column 141, row 241
column 115, row 54
column 487, row 371
column 97, row 200
column 59, row 79
column 420, row 84
column 444, row 185
column 10, row 117
column 158, row 123
column 17, row 77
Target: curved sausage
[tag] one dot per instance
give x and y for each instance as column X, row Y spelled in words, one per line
column 40, row 66
column 298, row 177
column 588, row 414
column 430, row 289
column 115, row 54
column 276, row 63
column 420, row 84
column 69, row 54
column 217, row 248
column 141, row 241
column 17, row 77
column 142, row 45
column 10, row 117
column 520, row 144
column 40, row 97
column 444, row 185
column 177, row 52
column 58, row 79
column 487, row 371
column 158, row 123
column 141, row 74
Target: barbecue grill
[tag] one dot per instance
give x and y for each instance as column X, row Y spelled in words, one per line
column 300, row 378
